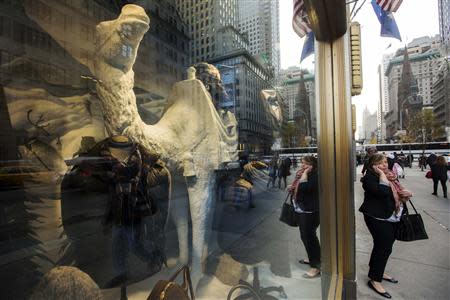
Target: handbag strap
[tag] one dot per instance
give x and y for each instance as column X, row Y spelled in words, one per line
column 187, row 283
column 288, row 195
column 412, row 206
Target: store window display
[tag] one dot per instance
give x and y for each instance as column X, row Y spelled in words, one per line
column 131, row 202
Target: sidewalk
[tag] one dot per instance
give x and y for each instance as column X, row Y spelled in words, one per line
column 258, row 240
column 422, row 267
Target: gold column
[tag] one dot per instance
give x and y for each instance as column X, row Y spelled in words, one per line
column 336, row 169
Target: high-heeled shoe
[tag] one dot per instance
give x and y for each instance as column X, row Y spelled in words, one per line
column 307, row 276
column 385, row 294
column 391, row 280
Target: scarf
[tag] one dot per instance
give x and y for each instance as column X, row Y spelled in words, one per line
column 396, row 187
column 293, row 188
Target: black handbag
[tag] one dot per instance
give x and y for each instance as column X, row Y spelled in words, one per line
column 288, row 214
column 411, row 227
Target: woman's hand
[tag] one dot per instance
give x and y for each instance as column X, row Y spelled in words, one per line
column 307, row 169
column 380, row 174
column 377, row 170
column 405, row 194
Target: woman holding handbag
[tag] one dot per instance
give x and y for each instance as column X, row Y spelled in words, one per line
column 306, row 203
column 382, row 209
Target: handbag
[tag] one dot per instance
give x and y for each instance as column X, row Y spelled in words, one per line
column 243, row 287
column 288, row 214
column 170, row 290
column 244, row 183
column 411, row 227
column 429, row 174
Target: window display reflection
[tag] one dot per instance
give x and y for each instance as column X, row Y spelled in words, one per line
column 120, row 168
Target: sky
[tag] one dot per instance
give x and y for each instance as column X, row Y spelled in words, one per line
column 414, row 19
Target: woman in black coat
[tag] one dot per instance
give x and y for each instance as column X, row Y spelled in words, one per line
column 382, row 209
column 439, row 173
column 307, row 205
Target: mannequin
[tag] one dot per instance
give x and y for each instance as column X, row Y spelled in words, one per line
column 129, row 203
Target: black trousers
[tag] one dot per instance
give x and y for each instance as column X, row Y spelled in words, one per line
column 308, row 224
column 383, row 234
column 443, row 184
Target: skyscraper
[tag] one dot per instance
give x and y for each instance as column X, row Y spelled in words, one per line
column 207, row 22
column 259, row 20
column 444, row 25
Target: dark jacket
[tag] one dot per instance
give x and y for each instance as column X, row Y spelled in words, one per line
column 308, row 193
column 439, row 172
column 431, row 159
column 379, row 200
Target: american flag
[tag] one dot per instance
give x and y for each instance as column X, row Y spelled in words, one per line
column 300, row 21
column 389, row 5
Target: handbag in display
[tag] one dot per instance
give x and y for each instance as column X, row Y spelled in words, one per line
column 429, row 175
column 411, row 227
column 244, row 183
column 243, row 287
column 171, row 290
column 288, row 214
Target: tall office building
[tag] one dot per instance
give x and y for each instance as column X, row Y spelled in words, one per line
column 369, row 127
column 207, row 23
column 244, row 79
column 444, row 25
column 259, row 20
column 381, row 125
column 384, row 81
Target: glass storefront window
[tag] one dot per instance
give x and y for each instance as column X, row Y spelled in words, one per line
column 124, row 163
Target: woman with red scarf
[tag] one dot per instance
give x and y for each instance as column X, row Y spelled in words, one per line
column 382, row 209
column 305, row 196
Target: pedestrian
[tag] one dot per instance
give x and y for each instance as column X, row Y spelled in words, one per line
column 410, row 160
column 392, row 160
column 439, row 173
column 370, row 151
column 307, row 206
column 431, row 159
column 382, row 208
column 283, row 171
column 294, row 163
column 422, row 162
column 273, row 170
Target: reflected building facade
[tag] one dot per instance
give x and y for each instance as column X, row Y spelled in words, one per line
column 259, row 20
column 421, row 59
column 252, row 113
column 297, row 89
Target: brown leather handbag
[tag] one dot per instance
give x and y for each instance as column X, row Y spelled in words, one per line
column 171, row 290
